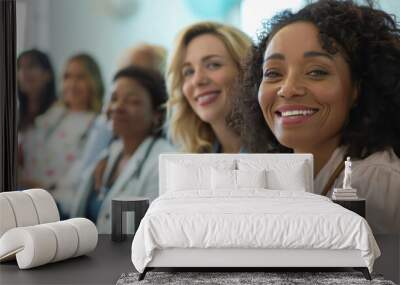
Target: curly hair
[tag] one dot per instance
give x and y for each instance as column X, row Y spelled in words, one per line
column 369, row 39
column 185, row 128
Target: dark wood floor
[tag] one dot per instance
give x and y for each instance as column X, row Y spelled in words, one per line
column 110, row 259
column 102, row 266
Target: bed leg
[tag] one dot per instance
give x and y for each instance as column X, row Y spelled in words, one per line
column 142, row 275
column 364, row 271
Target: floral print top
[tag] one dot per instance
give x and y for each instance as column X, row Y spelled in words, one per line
column 53, row 144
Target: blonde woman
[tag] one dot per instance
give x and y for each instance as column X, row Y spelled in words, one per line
column 61, row 131
column 203, row 68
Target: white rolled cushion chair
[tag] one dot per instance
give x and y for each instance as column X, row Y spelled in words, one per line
column 31, row 231
column 26, row 208
column 46, row 243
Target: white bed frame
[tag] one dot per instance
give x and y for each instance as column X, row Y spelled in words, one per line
column 234, row 257
column 250, row 258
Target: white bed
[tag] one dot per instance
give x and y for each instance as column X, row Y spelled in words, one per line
column 241, row 210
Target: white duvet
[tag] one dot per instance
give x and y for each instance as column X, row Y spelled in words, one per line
column 253, row 218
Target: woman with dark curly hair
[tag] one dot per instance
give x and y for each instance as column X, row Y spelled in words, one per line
column 326, row 81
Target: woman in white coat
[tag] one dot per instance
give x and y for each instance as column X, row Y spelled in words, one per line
column 129, row 167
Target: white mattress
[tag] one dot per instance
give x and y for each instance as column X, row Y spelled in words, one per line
column 253, row 218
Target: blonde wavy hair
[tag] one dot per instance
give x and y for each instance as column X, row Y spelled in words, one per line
column 97, row 87
column 186, row 129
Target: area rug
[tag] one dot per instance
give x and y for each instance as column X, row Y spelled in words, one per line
column 268, row 278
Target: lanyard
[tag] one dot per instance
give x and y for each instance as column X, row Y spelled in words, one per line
column 136, row 174
column 332, row 179
column 54, row 127
column 58, row 122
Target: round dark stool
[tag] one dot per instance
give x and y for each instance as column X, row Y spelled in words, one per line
column 139, row 205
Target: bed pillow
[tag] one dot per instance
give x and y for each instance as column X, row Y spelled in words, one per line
column 223, row 179
column 227, row 179
column 279, row 179
column 281, row 174
column 187, row 177
column 186, row 174
column 251, row 178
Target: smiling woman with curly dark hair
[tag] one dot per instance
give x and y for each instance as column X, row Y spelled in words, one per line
column 326, row 81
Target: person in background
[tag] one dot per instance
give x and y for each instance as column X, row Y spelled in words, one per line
column 130, row 164
column 36, row 86
column 328, row 84
column 205, row 63
column 144, row 55
column 101, row 134
column 36, row 90
column 61, row 131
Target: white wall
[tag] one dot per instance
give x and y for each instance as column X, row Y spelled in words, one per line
column 32, row 24
column 92, row 26
column 391, row 6
column 255, row 12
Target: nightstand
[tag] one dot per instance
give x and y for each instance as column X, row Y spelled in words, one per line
column 357, row 205
column 139, row 205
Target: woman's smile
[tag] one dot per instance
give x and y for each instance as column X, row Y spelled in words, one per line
column 294, row 115
column 208, row 97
